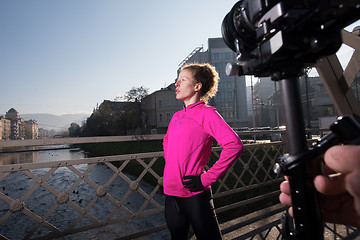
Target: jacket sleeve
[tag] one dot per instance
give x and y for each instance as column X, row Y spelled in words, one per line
column 165, row 139
column 232, row 146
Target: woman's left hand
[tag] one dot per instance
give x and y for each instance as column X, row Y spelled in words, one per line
column 194, row 183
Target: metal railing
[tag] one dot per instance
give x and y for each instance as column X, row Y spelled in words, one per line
column 121, row 196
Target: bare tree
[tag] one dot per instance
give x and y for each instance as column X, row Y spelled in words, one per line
column 135, row 94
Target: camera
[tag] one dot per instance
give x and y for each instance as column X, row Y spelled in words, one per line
column 279, row 39
column 275, row 38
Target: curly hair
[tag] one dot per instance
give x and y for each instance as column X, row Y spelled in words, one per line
column 207, row 75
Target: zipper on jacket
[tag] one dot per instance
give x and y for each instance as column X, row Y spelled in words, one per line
column 183, row 115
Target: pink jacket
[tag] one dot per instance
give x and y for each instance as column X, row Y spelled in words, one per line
column 187, row 148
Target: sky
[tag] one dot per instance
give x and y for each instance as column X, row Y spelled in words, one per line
column 67, row 56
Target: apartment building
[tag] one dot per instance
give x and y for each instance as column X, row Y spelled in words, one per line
column 315, row 100
column 5, row 128
column 230, row 101
column 14, row 127
column 31, row 129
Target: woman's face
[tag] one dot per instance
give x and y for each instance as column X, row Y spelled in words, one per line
column 186, row 88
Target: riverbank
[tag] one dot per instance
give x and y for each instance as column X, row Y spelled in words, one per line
column 120, row 148
column 15, row 150
column 20, row 155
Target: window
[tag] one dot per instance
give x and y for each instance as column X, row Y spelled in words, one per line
column 221, row 56
column 168, row 102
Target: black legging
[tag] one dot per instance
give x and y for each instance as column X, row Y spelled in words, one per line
column 198, row 211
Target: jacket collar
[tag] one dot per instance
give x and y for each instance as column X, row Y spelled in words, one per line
column 194, row 105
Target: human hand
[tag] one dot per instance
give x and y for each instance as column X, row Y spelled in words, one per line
column 339, row 187
column 194, row 183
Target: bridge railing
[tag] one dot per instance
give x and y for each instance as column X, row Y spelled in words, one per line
column 121, row 195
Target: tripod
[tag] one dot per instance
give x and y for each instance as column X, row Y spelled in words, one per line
column 308, row 222
column 302, row 164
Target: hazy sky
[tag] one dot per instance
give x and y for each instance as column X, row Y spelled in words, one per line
column 66, row 56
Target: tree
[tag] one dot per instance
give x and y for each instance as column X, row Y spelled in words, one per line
column 116, row 118
column 135, row 94
column 100, row 122
column 132, row 116
column 74, row 130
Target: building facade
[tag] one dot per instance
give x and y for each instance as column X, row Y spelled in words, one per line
column 316, row 102
column 158, row 109
column 6, row 128
column 230, row 100
column 263, row 106
column 31, row 129
column 17, row 126
column 14, row 127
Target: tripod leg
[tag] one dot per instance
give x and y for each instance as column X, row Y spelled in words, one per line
column 308, row 223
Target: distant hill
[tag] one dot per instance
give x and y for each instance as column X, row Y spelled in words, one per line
column 49, row 121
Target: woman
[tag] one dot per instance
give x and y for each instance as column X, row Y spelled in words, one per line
column 187, row 148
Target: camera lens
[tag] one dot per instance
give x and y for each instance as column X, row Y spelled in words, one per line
column 236, row 25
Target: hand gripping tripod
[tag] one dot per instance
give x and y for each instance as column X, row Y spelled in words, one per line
column 302, row 164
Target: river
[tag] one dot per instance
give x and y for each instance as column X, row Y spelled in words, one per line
column 40, row 154
column 17, row 185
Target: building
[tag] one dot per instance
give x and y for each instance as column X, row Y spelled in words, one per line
column 230, row 100
column 43, row 133
column 1, row 128
column 114, row 106
column 31, row 129
column 158, row 109
column 17, row 126
column 14, row 127
column 263, row 107
column 5, row 128
column 316, row 102
column 12, row 114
